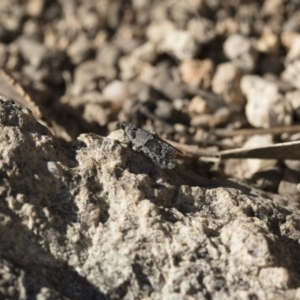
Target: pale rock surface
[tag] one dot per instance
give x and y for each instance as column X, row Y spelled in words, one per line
column 291, row 73
column 197, row 72
column 266, row 107
column 294, row 51
column 169, row 39
column 226, row 81
column 246, row 168
column 93, row 219
column 241, row 52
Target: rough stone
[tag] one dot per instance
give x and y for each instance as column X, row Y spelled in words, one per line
column 197, row 72
column 94, row 219
column 265, row 107
column 241, row 52
column 226, row 81
column 291, row 74
column 246, row 168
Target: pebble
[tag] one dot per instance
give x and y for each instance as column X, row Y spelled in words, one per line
column 168, row 39
column 34, row 8
column 266, row 107
column 226, row 82
column 3, row 54
column 202, row 30
column 268, row 42
column 246, row 168
column 292, row 74
column 197, row 72
column 29, row 46
column 294, row 51
column 107, row 61
column 116, row 91
column 241, row 52
column 80, row 49
column 198, row 106
column 294, row 99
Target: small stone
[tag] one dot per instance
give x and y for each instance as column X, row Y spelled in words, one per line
column 116, row 91
column 34, row 52
column 146, row 52
column 226, row 82
column 131, row 67
column 85, row 76
column 271, row 7
column 164, row 110
column 80, row 49
column 3, row 55
column 246, row 168
column 294, row 99
column 265, row 107
column 197, row 72
column 198, row 106
column 107, row 61
column 289, row 185
column 292, row 74
column 288, row 38
column 241, row 52
column 170, row 40
column 275, row 277
column 202, row 30
column 35, row 8
column 220, row 116
column 268, row 42
column 96, row 113
column 227, row 27
column 294, row 51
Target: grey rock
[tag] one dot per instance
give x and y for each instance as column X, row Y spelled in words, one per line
column 93, row 219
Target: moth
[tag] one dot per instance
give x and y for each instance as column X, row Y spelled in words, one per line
column 159, row 151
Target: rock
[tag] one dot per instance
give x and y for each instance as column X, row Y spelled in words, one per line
column 291, row 74
column 35, row 8
column 226, row 82
column 265, row 107
column 130, row 67
column 80, row 49
column 241, row 52
column 288, row 38
column 34, row 52
column 247, row 168
column 293, row 98
column 272, row 7
column 3, row 54
column 107, row 61
column 289, row 185
column 202, row 30
column 219, row 117
column 85, row 78
column 227, row 27
column 116, row 91
column 96, row 213
column 170, row 40
column 146, row 52
column 196, row 72
column 198, row 106
column 160, row 78
column 268, row 42
column 94, row 112
column 294, row 51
